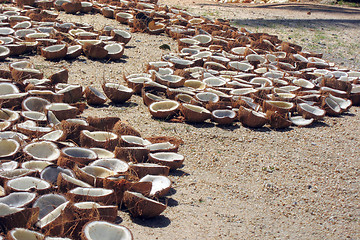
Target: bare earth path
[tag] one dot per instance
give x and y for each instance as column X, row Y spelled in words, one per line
column 240, row 183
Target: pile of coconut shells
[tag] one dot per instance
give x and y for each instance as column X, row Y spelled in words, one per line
column 36, row 31
column 62, row 175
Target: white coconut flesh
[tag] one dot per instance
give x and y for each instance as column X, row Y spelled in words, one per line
column 80, row 121
column 75, row 181
column 203, row 54
column 53, row 136
column 170, row 78
column 103, row 153
column 52, row 119
column 35, row 104
column 99, row 230
column 93, row 192
column 73, row 49
column 243, row 91
column 100, row 136
column 4, row 31
column 97, row 171
column 262, row 81
column 333, row 104
column 281, row 104
column 37, row 35
column 51, row 173
column 20, row 25
column 18, row 18
column 207, row 97
column 239, row 50
column 303, row 83
column 125, row 15
column 300, row 58
column 284, row 96
column 214, row 65
column 59, row 107
column 300, row 121
column 181, row 61
column 8, row 166
column 33, row 115
column 51, row 216
column 119, row 87
column 273, row 74
column 164, row 106
column 8, row 147
column 159, row 183
column 223, row 113
column 43, row 150
column 87, row 205
column 196, row 21
column 92, row 42
column 48, row 202
column 219, row 93
column 214, row 82
column 35, row 165
column 86, row 34
column 114, row 48
column 164, row 71
column 28, row 183
column 18, row 199
column 190, row 51
column 186, row 98
column 288, row 88
column 97, row 93
column 25, row 234
column 196, row 84
column 56, row 238
column 135, row 140
column 113, row 164
column 122, row 33
column 203, row 39
column 195, row 108
column 161, row 146
column 140, row 80
column 9, row 115
column 78, row 152
column 255, row 57
column 343, row 103
column 73, row 32
column 167, row 156
column 280, row 82
column 189, row 41
column 8, row 88
column 7, row 210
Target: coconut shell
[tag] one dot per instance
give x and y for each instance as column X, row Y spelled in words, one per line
column 308, row 115
column 65, row 114
column 192, row 116
column 142, row 207
column 72, row 95
column 95, row 51
column 336, row 84
column 63, row 185
column 132, row 154
column 20, row 74
column 115, row 95
column 175, row 164
column 54, row 55
column 123, row 128
column 61, row 76
column 72, row 130
column 105, row 199
column 329, row 110
column 142, row 170
column 103, row 123
column 278, row 120
column 249, row 119
column 268, row 106
column 25, row 218
column 92, row 98
column 105, row 213
column 89, row 142
column 72, row 7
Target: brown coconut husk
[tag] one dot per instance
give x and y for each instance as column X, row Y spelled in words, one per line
column 141, row 170
column 72, row 7
column 20, row 74
column 278, row 120
column 92, row 98
column 160, row 139
column 89, row 142
column 142, row 207
column 95, row 51
column 72, row 130
column 123, row 128
column 249, row 119
column 105, row 199
column 25, row 218
column 103, row 123
column 132, row 154
column 63, row 185
column 61, row 76
column 336, row 84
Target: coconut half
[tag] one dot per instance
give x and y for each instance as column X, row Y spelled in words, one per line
column 24, row 234
column 224, row 116
column 103, row 195
column 62, row 111
column 170, row 159
column 98, row 230
column 48, row 202
column 66, row 182
column 50, row 173
column 35, row 165
column 143, row 169
column 79, row 155
column 103, row 153
column 193, row 113
column 26, row 184
column 94, row 96
column 117, row 93
column 12, row 217
column 160, row 185
column 115, row 165
column 54, row 52
column 43, row 150
column 107, row 140
column 34, row 104
column 18, row 199
column 164, row 109
column 141, row 206
column 8, row 148
column 300, row 121
column 308, row 111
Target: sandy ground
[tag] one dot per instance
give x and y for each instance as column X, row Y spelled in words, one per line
column 240, row 183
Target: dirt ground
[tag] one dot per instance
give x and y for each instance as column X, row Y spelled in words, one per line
column 240, row 183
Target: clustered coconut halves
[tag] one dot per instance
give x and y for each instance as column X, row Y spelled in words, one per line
column 66, row 176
